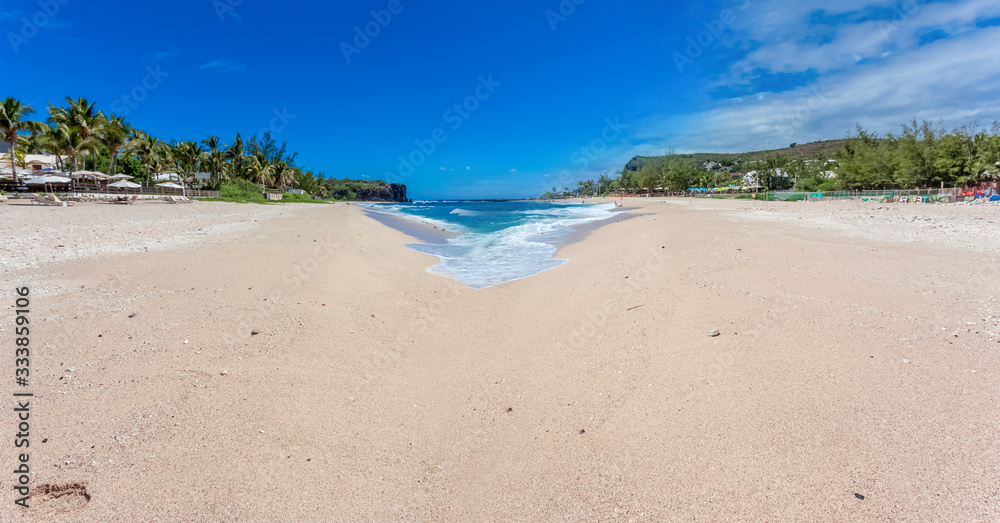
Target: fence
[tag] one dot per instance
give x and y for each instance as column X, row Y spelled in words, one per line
column 82, row 188
column 884, row 196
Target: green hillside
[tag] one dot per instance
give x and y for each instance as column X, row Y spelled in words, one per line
column 823, row 149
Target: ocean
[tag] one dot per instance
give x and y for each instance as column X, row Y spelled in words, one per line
column 495, row 242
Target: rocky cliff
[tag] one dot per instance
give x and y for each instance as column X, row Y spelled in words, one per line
column 392, row 192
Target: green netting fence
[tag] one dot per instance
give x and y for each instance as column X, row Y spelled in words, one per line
column 887, row 196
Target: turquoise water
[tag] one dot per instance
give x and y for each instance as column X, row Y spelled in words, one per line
column 495, row 242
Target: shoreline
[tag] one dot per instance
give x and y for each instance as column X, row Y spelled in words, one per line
column 428, row 233
column 420, row 230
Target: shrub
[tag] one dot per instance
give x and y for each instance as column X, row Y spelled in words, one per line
column 241, row 190
column 298, row 198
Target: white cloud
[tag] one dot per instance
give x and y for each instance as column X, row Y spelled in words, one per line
column 512, row 171
column 159, row 56
column 786, row 39
column 865, row 75
column 228, row 66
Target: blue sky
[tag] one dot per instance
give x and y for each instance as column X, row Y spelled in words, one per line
column 548, row 92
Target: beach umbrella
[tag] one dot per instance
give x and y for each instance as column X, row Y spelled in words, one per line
column 172, row 185
column 124, row 185
column 45, row 180
column 120, row 177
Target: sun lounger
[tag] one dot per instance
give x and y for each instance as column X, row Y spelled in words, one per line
column 48, row 199
column 125, row 200
column 55, row 199
column 170, row 199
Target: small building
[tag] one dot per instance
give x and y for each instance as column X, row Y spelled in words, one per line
column 35, row 162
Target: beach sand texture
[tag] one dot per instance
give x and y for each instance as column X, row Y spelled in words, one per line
column 857, row 356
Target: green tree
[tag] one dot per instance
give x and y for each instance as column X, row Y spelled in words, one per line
column 114, row 135
column 986, row 163
column 865, row 162
column 146, row 149
column 80, row 116
column 13, row 120
column 678, row 173
column 649, row 178
column 235, row 155
column 66, row 140
column 953, row 164
column 214, row 158
column 915, row 151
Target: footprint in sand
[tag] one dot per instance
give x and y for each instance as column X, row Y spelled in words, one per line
column 50, row 500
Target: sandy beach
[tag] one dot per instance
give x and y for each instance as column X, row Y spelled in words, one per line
column 227, row 362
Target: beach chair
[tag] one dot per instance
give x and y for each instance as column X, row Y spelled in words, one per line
column 122, row 200
column 169, row 199
column 56, row 201
column 48, row 199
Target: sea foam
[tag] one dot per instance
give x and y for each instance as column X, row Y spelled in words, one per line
column 496, row 242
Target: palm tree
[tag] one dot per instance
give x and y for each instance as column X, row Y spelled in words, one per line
column 164, row 157
column 283, row 174
column 602, row 184
column 257, row 172
column 234, row 153
column 213, row 159
column 188, row 154
column 114, row 135
column 215, row 163
column 67, row 140
column 146, row 149
column 12, row 121
column 79, row 115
